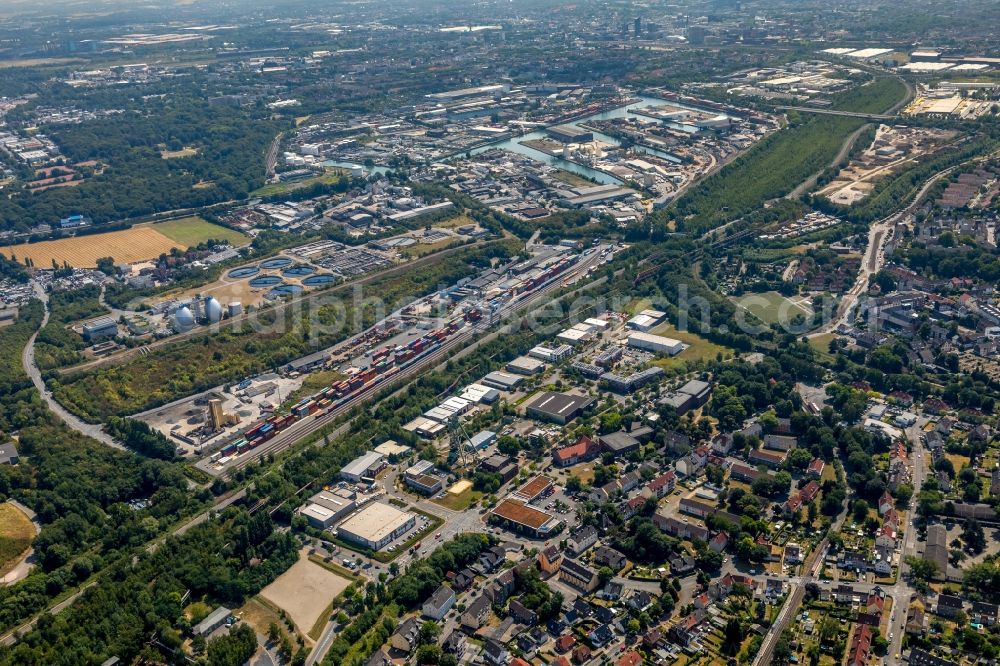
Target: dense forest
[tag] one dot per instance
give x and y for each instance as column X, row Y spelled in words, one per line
column 95, row 503
column 229, row 163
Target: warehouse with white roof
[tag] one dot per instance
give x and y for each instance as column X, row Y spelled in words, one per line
column 376, row 525
column 656, row 343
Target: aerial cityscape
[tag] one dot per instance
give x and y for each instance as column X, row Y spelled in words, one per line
column 515, row 333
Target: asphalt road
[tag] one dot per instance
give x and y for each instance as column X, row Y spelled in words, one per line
column 28, row 362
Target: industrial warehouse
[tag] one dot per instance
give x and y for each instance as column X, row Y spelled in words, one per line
column 376, row 526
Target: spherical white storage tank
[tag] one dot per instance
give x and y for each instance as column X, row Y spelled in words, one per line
column 213, row 310
column 183, row 320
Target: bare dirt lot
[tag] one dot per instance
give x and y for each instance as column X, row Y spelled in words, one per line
column 304, row 591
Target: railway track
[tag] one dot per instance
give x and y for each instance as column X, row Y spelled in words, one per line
column 308, row 427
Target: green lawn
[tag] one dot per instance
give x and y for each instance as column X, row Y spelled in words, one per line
column 460, row 501
column 770, row 307
column 194, row 230
column 700, row 349
column 328, row 178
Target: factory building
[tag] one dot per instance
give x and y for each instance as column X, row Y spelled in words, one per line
column 363, row 467
column 525, row 365
column 376, row 525
column 502, row 380
column 551, row 354
column 645, row 320
column 656, row 343
column 570, row 134
column 100, row 328
column 326, row 507
column 559, row 408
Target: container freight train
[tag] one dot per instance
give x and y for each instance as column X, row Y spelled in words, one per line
column 391, row 361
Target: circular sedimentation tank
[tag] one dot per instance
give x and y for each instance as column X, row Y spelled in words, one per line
column 243, row 272
column 284, row 290
column 317, row 280
column 298, row 271
column 277, row 262
column 265, row 281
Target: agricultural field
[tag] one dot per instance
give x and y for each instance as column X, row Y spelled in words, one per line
column 771, row 307
column 305, row 591
column 139, row 243
column 16, row 534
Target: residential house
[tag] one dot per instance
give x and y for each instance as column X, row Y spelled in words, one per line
column 772, row 459
column 454, row 644
column 696, row 507
column 718, row 542
column 984, row 613
column 475, row 614
column 682, row 564
column 599, row 637
column 609, row 557
column 578, row 575
column 780, row 442
column 522, row 613
column 885, row 502
column 440, row 603
column 948, row 605
column 816, row 468
column 639, row 600
column 565, row 643
column 630, row 658
column 683, row 529
column 407, row 636
column 492, row 558
column 915, row 619
column 581, row 539
column 662, row 485
column 612, row 591
column 494, row 653
column 549, row 559
column 685, row 631
column 380, row 658
column 861, row 645
column 463, row 579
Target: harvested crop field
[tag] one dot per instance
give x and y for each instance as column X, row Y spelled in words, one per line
column 305, row 591
column 139, row 243
column 16, row 534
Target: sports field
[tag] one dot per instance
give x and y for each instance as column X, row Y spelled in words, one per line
column 16, row 533
column 139, row 243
